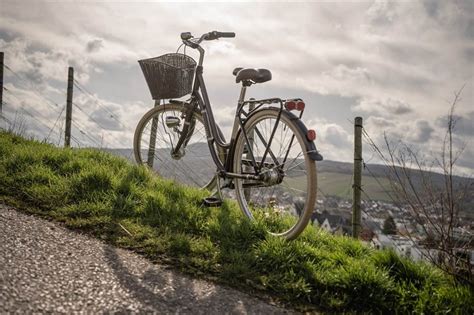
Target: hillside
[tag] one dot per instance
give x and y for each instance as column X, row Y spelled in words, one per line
column 98, row 194
column 335, row 179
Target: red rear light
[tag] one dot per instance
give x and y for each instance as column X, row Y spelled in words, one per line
column 300, row 106
column 311, row 135
column 290, row 105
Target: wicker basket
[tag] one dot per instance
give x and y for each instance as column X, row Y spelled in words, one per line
column 169, row 76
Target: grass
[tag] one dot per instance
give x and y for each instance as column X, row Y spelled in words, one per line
column 95, row 192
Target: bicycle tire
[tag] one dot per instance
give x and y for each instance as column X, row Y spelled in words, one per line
column 267, row 203
column 192, row 169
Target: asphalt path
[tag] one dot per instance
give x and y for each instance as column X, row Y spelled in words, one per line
column 46, row 268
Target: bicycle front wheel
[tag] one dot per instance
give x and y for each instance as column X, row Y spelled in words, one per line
column 285, row 196
column 156, row 136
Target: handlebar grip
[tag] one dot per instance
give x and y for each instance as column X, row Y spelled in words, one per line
column 216, row 35
column 226, row 34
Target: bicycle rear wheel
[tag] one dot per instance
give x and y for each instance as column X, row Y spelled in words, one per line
column 155, row 137
column 285, row 196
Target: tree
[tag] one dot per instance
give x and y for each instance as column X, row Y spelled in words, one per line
column 389, row 226
column 433, row 201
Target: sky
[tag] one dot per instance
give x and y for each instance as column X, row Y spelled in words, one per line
column 396, row 64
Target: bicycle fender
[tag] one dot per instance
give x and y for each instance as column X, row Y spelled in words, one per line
column 310, row 145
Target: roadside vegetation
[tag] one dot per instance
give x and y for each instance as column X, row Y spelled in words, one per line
column 128, row 206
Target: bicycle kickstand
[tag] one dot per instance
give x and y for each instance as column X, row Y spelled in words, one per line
column 215, row 200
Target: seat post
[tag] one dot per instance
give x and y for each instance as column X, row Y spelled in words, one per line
column 236, row 118
column 242, row 94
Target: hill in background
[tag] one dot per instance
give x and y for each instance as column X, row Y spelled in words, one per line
column 335, row 179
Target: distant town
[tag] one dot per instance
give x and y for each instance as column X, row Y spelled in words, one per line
column 404, row 235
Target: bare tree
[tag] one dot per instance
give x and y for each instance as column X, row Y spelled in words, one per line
column 434, row 201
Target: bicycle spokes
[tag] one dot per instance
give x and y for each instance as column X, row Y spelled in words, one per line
column 286, row 175
column 155, row 145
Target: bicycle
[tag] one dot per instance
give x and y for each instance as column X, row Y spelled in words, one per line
column 270, row 160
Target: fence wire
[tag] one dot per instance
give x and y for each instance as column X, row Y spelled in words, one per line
column 52, row 125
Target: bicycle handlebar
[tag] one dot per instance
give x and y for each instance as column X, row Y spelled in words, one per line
column 189, row 40
column 192, row 42
column 217, row 35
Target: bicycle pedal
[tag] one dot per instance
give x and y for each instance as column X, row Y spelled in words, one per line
column 212, row 202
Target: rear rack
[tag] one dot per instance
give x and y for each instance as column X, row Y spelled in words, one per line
column 253, row 105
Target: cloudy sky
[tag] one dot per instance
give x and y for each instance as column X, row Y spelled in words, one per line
column 396, row 64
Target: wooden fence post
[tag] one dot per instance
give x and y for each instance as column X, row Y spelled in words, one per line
column 70, row 82
column 357, row 186
column 1, row 81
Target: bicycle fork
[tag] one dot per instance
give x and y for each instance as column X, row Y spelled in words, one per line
column 185, row 134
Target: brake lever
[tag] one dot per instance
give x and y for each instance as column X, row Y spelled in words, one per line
column 203, row 37
column 212, row 35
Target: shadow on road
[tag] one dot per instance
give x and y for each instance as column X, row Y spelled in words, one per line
column 168, row 292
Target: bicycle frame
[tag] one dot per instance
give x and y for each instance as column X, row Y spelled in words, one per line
column 200, row 101
column 200, row 98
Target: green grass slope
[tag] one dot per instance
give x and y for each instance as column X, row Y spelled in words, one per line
column 96, row 193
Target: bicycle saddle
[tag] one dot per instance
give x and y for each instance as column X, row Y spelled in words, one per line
column 254, row 75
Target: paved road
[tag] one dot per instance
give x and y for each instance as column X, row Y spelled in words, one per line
column 47, row 268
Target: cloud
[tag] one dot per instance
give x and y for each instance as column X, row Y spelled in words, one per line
column 336, row 136
column 386, row 107
column 466, row 161
column 94, row 45
column 95, row 121
column 380, row 122
column 333, row 141
column 40, row 65
column 381, row 13
column 418, row 132
column 463, row 124
column 395, row 61
column 422, row 132
column 29, row 112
